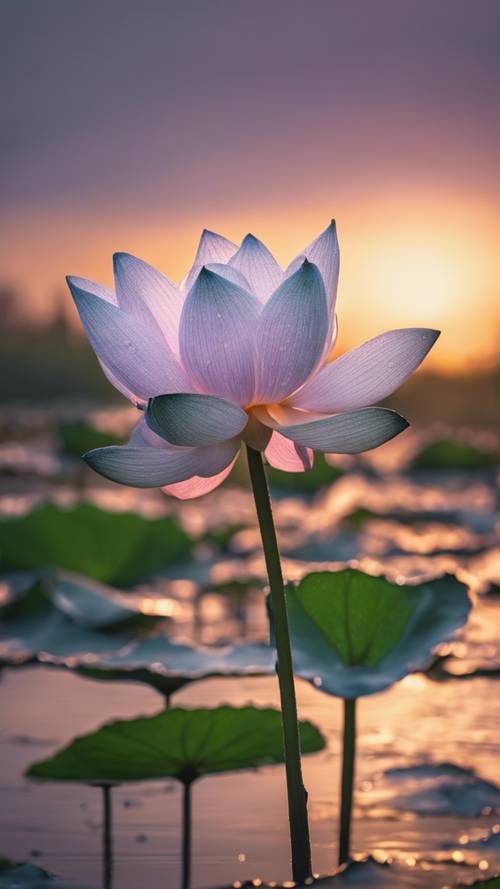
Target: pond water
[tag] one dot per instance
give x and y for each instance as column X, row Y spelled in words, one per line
column 427, row 784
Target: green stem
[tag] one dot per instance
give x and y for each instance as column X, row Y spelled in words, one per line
column 186, row 835
column 348, row 764
column 297, row 795
column 107, row 837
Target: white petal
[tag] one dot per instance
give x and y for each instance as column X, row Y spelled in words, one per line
column 349, row 433
column 135, row 353
column 291, row 335
column 143, row 291
column 227, row 271
column 212, row 248
column 368, row 373
column 217, row 337
column 145, row 467
column 189, row 420
column 92, row 287
column 323, row 252
column 259, row 267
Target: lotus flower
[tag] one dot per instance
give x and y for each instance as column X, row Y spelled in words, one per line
column 239, row 352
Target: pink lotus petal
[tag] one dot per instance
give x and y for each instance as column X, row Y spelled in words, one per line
column 217, row 337
column 277, row 415
column 92, row 287
column 212, row 248
column 227, row 271
column 367, row 374
column 197, row 486
column 323, row 252
column 135, row 353
column 259, row 267
column 288, row 456
column 143, row 291
column 291, row 335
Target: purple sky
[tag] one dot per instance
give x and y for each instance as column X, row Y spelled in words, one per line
column 133, row 123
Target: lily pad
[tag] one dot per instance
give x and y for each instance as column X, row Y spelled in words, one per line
column 94, row 605
column 168, row 666
column 321, row 474
column 435, row 789
column 77, row 437
column 447, row 454
column 115, row 547
column 27, row 876
column 354, row 634
column 182, row 744
column 68, row 616
column 20, row 594
column 52, row 636
column 366, row 872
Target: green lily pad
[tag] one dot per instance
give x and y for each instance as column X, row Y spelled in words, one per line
column 447, row 454
column 75, row 438
column 94, row 605
column 168, row 666
column 319, row 476
column 354, row 634
column 68, row 616
column 116, row 548
column 28, row 876
column 52, row 636
column 182, row 744
column 20, row 594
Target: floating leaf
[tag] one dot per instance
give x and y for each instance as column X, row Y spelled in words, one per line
column 27, row 876
column 52, row 636
column 354, row 634
column 454, row 455
column 436, row 789
column 367, row 872
column 77, row 437
column 68, row 616
column 20, row 593
column 168, row 666
column 95, row 605
column 182, row 744
column 115, row 547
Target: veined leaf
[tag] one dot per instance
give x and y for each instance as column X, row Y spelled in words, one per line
column 113, row 547
column 182, row 744
column 354, row 634
column 168, row 666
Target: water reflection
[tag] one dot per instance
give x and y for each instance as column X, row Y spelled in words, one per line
column 426, row 818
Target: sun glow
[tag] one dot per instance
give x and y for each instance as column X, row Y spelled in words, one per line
column 407, row 259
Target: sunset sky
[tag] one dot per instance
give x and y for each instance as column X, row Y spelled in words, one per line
column 132, row 124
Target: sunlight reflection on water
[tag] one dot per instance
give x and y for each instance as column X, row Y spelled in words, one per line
column 438, row 823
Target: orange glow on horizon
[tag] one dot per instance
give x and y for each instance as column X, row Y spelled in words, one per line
column 407, row 259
